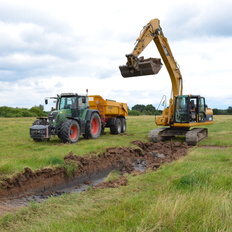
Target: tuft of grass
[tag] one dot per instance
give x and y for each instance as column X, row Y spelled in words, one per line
column 54, row 160
column 70, row 168
column 114, row 175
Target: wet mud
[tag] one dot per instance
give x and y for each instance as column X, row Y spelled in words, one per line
column 82, row 172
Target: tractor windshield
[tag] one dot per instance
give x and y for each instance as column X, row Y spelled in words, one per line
column 67, row 103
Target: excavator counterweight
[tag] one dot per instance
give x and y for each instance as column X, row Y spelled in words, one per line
column 148, row 66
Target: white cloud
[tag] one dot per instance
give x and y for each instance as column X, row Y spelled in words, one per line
column 49, row 47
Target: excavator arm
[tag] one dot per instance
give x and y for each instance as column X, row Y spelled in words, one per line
column 138, row 66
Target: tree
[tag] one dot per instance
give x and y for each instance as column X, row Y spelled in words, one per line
column 216, row 111
column 229, row 110
column 37, row 110
column 134, row 112
column 138, row 107
column 149, row 110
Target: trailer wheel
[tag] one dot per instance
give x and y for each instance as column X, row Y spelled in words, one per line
column 123, row 125
column 116, row 128
column 69, row 131
column 93, row 127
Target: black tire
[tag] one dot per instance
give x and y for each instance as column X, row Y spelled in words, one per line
column 69, row 131
column 116, row 128
column 93, row 127
column 123, row 125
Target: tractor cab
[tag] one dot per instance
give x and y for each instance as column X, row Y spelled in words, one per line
column 67, row 105
column 72, row 102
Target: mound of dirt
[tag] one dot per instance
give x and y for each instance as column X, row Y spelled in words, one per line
column 134, row 159
column 126, row 159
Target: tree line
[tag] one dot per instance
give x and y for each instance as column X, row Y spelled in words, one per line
column 151, row 110
column 34, row 111
column 140, row 109
column 136, row 110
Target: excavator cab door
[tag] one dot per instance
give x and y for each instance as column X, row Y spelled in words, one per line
column 201, row 110
column 181, row 109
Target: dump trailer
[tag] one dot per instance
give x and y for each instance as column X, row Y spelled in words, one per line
column 76, row 115
column 112, row 113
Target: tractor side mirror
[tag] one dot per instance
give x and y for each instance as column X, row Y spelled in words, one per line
column 84, row 100
column 46, row 101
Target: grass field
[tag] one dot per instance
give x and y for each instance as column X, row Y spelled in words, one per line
column 18, row 150
column 191, row 194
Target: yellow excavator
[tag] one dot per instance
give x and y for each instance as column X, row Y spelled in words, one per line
column 184, row 112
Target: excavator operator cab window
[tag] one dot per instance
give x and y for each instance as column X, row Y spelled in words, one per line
column 181, row 109
column 201, row 109
column 190, row 109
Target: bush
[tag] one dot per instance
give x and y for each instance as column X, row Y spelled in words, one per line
column 36, row 111
column 6, row 111
column 134, row 112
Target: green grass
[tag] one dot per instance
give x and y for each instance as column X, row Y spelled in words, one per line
column 190, row 194
column 18, row 150
column 220, row 133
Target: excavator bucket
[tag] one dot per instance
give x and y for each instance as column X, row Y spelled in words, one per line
column 145, row 67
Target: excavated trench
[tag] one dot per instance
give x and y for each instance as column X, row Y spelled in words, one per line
column 81, row 172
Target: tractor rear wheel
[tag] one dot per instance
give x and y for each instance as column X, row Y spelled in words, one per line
column 93, row 127
column 69, row 132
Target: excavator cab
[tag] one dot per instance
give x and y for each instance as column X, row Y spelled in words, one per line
column 191, row 109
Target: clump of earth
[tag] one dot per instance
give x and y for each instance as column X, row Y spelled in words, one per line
column 86, row 171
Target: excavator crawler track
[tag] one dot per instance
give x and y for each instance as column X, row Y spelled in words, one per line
column 195, row 135
column 192, row 136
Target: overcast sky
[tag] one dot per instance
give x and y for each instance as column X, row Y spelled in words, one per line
column 48, row 47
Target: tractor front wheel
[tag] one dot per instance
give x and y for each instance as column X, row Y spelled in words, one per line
column 70, row 131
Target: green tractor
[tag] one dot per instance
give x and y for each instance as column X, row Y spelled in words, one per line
column 71, row 118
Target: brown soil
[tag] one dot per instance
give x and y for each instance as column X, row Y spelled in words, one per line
column 46, row 181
